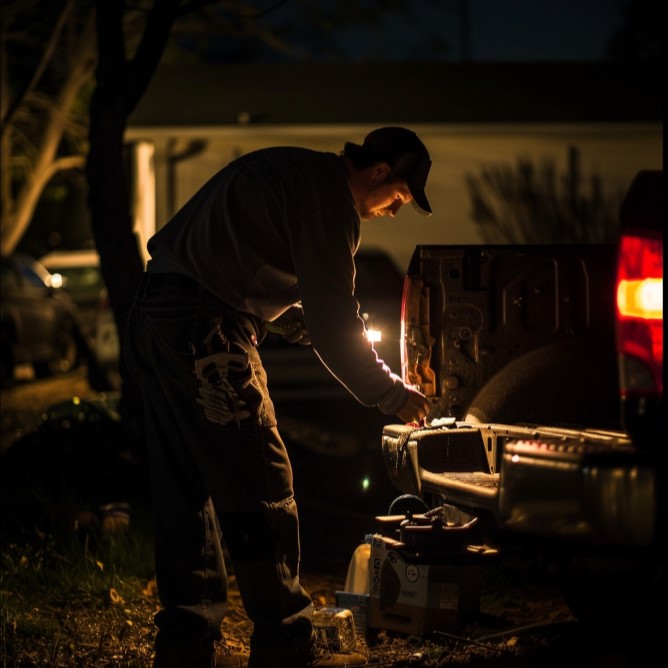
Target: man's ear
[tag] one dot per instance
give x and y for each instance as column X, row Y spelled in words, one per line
column 379, row 171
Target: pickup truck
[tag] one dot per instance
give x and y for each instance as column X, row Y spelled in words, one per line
column 544, row 366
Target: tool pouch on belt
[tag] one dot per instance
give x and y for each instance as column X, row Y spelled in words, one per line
column 231, row 382
column 291, row 326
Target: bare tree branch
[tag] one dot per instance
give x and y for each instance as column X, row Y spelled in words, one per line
column 40, row 144
column 526, row 204
column 40, row 68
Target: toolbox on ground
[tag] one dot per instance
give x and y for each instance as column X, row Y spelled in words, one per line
column 413, row 596
column 428, row 580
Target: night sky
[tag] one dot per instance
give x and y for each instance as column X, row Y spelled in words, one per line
column 492, row 30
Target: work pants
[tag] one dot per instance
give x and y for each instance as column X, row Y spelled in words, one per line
column 220, row 474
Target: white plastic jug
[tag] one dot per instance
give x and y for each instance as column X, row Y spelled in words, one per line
column 357, row 578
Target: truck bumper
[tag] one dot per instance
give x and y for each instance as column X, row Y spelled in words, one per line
column 590, row 487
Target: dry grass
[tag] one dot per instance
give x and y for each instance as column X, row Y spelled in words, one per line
column 74, row 603
column 64, row 606
column 73, row 596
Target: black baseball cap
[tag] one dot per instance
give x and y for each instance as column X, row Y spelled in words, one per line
column 407, row 156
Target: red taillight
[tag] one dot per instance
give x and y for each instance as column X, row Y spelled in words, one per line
column 640, row 314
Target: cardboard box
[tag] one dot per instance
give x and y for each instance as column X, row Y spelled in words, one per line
column 412, row 596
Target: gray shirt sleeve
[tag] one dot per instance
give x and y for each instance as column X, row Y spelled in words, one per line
column 323, row 254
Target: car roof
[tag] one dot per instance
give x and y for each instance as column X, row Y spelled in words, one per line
column 71, row 258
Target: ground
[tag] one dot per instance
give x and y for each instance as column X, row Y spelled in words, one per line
column 522, row 621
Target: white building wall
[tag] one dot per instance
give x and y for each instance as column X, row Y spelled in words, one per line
column 615, row 152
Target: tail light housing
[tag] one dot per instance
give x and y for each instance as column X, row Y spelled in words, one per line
column 639, row 326
column 416, row 340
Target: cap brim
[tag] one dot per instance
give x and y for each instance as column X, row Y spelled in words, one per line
column 417, row 183
column 420, row 203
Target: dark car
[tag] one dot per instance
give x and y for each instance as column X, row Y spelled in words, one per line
column 78, row 273
column 38, row 322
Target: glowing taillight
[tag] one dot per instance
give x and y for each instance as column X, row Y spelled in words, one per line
column 640, row 314
column 641, row 299
column 640, row 310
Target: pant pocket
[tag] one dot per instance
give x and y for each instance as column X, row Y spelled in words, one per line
column 232, row 387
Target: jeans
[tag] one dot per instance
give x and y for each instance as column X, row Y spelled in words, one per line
column 220, row 473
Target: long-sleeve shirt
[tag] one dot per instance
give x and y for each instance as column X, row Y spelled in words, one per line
column 276, row 228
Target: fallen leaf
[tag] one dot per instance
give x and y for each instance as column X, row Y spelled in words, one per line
column 115, row 596
column 151, row 588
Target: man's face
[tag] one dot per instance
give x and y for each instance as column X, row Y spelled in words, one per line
column 384, row 199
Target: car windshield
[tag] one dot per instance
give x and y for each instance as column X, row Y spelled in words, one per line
column 75, row 279
column 31, row 271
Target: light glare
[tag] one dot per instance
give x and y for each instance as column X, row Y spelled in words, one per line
column 641, row 299
column 373, row 335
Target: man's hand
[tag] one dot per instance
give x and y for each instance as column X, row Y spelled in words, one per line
column 300, row 336
column 416, row 407
column 291, row 327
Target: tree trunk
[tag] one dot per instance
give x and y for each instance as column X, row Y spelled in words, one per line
column 109, row 199
column 119, row 86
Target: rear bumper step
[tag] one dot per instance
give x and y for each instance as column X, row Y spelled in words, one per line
column 554, row 482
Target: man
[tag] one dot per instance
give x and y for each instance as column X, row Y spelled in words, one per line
column 273, row 233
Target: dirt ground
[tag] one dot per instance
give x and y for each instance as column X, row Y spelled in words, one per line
column 522, row 619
